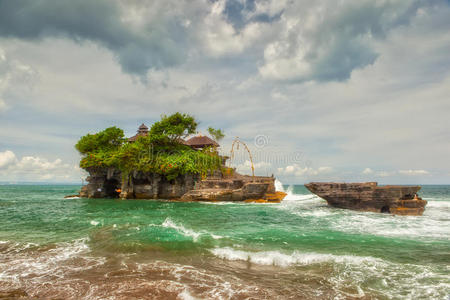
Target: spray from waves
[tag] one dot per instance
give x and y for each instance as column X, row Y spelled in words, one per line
column 406, row 281
column 441, row 204
column 24, row 260
column 276, row 258
column 434, row 224
column 279, row 186
column 291, row 195
column 168, row 223
column 189, row 282
column 301, row 204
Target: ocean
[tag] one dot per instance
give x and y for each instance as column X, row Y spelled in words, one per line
column 56, row 248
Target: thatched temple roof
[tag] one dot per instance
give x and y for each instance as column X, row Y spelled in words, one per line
column 201, row 141
column 198, row 141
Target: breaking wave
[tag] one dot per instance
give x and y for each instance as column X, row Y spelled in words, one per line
column 351, row 273
column 23, row 260
column 168, row 223
column 434, row 224
column 276, row 258
column 291, row 195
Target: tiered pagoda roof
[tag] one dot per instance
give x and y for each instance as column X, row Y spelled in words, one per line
column 142, row 131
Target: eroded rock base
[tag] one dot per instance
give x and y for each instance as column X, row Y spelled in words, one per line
column 368, row 196
column 108, row 183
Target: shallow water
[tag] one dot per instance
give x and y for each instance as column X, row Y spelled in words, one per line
column 51, row 247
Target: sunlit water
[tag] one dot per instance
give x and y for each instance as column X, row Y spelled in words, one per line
column 51, row 247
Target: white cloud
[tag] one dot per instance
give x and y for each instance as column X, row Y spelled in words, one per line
column 15, row 78
column 218, row 37
column 399, row 102
column 270, row 8
column 7, row 158
column 414, row 172
column 261, row 168
column 385, row 174
column 299, row 171
column 2, row 105
column 367, row 171
column 30, row 168
column 382, row 173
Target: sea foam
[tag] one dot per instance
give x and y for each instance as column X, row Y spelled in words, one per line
column 280, row 259
column 168, row 223
column 434, row 224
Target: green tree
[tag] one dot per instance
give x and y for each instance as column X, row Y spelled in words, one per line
column 160, row 152
column 172, row 128
column 107, row 140
column 217, row 134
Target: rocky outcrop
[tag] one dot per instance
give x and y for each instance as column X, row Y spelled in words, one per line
column 249, row 190
column 102, row 183
column 236, row 188
column 368, row 196
column 108, row 183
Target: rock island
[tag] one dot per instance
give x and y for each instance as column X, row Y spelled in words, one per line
column 369, row 196
column 167, row 161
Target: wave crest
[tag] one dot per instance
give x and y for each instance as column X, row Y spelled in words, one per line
column 277, row 258
column 168, row 223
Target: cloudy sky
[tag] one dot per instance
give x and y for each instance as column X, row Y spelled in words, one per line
column 343, row 90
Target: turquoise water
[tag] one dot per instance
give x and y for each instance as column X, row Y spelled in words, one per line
column 301, row 248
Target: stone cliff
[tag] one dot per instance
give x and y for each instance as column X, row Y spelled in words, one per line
column 368, row 196
column 108, row 183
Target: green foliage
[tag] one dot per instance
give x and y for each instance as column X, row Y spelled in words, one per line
column 160, row 152
column 172, row 128
column 217, row 134
column 109, row 139
column 183, row 161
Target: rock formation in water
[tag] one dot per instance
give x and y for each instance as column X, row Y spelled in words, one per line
column 368, row 196
column 107, row 183
column 159, row 164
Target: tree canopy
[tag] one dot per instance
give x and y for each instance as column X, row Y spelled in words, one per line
column 107, row 140
column 172, row 128
column 161, row 151
column 217, row 134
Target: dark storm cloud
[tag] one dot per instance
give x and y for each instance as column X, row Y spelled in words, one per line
column 341, row 40
column 99, row 21
column 234, row 11
column 240, row 13
column 350, row 35
column 292, row 41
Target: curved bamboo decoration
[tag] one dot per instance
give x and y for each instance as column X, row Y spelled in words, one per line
column 237, row 142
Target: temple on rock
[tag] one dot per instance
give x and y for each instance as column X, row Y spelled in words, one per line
column 221, row 183
column 142, row 131
column 196, row 142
